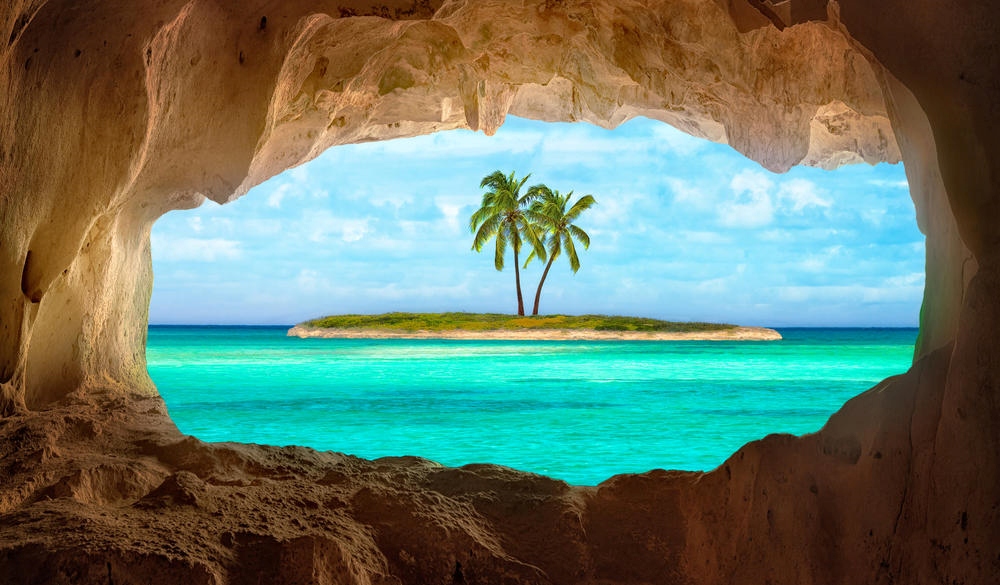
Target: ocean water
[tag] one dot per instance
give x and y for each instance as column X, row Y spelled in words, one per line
column 576, row 410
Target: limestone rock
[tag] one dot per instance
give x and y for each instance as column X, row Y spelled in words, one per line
column 117, row 112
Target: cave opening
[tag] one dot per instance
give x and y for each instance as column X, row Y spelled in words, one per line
column 832, row 259
column 120, row 113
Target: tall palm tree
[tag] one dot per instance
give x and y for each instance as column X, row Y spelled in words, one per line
column 505, row 216
column 549, row 210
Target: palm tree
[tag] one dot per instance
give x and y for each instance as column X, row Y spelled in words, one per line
column 549, row 210
column 505, row 216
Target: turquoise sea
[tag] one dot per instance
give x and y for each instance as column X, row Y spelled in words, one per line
column 579, row 411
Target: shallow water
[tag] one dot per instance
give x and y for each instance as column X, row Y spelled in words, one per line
column 577, row 410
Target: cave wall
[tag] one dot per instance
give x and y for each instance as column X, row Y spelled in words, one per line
column 948, row 56
column 119, row 111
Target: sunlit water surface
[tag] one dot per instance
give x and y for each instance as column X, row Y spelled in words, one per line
column 579, row 411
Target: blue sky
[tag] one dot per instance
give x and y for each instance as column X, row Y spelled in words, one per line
column 684, row 229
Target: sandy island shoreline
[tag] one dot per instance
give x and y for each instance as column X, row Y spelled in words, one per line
column 734, row 334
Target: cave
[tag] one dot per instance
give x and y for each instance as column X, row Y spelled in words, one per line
column 117, row 112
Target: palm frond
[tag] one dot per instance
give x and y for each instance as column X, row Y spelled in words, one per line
column 537, row 218
column 489, row 199
column 515, row 188
column 501, row 250
column 493, row 179
column 580, row 235
column 555, row 246
column 582, row 204
column 480, row 216
column 529, row 259
column 487, row 230
column 531, row 234
column 535, row 194
column 574, row 260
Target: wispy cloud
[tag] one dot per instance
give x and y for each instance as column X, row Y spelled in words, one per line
column 800, row 194
column 195, row 249
column 890, row 183
column 820, row 261
column 451, row 207
column 851, row 293
column 456, row 144
column 751, row 205
column 296, row 183
column 688, row 195
column 670, row 140
column 322, row 226
column 275, row 198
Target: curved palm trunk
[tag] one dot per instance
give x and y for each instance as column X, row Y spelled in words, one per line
column 517, row 280
column 538, row 293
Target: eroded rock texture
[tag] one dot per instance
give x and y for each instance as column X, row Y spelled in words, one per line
column 115, row 112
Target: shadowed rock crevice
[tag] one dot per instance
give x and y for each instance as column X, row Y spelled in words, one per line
column 118, row 112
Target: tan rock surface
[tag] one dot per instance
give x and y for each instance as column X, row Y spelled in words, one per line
column 115, row 111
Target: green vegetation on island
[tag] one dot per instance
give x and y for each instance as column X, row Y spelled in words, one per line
column 409, row 322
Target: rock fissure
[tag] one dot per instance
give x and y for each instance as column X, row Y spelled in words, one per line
column 907, row 479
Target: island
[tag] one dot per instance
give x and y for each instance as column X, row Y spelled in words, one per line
column 496, row 326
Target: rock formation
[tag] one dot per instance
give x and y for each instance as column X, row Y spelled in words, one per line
column 115, row 112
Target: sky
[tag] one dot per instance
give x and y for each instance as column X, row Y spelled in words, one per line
column 684, row 229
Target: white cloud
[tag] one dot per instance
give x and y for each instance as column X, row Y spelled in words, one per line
column 616, row 208
column 195, row 224
column 688, row 195
column 222, row 224
column 801, row 193
column 393, row 291
column 703, row 237
column 450, row 207
column 195, row 249
column 321, row 225
column 777, row 235
column 261, row 226
column 390, row 198
column 275, row 198
column 309, row 281
column 874, row 216
column 900, row 184
column 849, row 294
column 673, row 140
column 456, row 144
column 751, row 206
column 298, row 182
column 905, row 280
column 804, row 239
column 819, row 262
column 300, row 174
column 352, row 230
column 714, row 286
column 722, row 285
column 573, row 142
